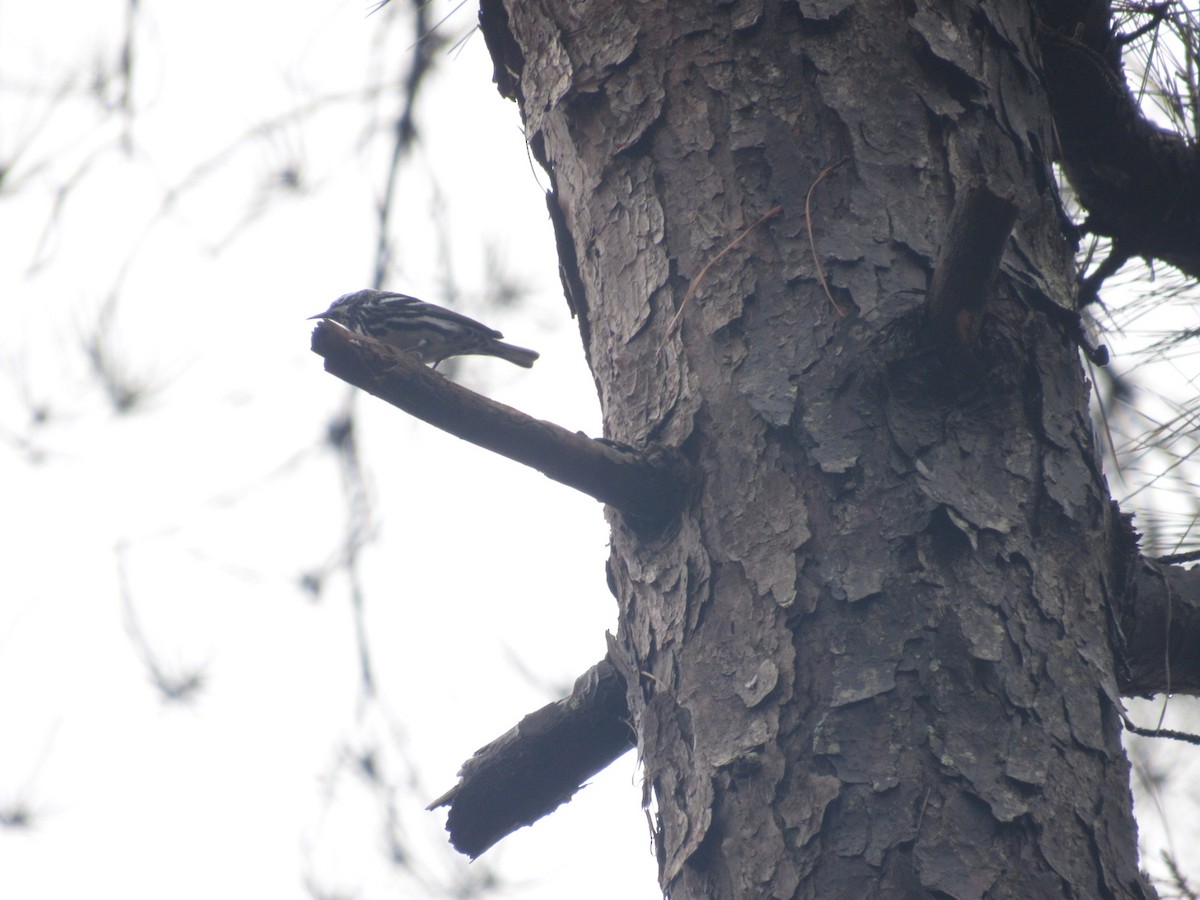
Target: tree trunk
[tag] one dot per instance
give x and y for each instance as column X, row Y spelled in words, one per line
column 873, row 657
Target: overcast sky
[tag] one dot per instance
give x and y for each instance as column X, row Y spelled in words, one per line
column 188, row 522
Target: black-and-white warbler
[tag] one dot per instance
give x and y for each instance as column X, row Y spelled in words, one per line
column 423, row 330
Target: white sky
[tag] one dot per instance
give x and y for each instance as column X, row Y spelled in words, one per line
column 222, row 493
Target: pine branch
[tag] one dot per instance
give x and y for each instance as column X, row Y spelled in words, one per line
column 647, row 486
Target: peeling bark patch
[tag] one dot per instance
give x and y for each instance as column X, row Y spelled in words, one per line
column 612, row 38
column 628, row 244
column 1027, row 757
column 670, row 589
column 722, row 687
column 1082, row 700
column 626, row 252
column 854, row 681
column 746, row 14
column 546, row 76
column 759, row 685
column 765, row 375
column 862, row 746
column 935, row 415
column 956, row 851
column 947, row 42
column 889, row 822
column 835, row 428
column 803, row 808
column 823, row 9
column 612, row 112
column 984, row 628
column 684, row 819
column 974, row 752
column 755, row 497
column 635, row 103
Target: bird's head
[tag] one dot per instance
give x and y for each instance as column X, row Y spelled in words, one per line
column 338, row 310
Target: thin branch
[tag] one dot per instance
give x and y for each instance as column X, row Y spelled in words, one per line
column 648, row 486
column 404, row 134
column 696, row 282
column 812, row 244
column 1185, row 737
column 1177, row 558
column 180, row 687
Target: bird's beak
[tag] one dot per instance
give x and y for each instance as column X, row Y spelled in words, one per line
column 318, row 316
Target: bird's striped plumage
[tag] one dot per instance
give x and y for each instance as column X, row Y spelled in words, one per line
column 424, row 330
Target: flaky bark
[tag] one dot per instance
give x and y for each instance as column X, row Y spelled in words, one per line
column 875, row 655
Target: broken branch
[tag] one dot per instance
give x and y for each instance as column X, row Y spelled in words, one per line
column 540, row 763
column 967, row 263
column 647, row 486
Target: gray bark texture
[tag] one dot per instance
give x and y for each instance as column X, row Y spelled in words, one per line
column 875, row 654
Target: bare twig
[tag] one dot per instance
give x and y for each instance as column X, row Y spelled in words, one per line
column 695, row 282
column 1184, row 736
column 825, row 173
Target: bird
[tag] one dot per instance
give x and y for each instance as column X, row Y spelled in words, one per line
column 424, row 330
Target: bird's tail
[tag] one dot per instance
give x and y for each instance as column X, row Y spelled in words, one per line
column 513, row 353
